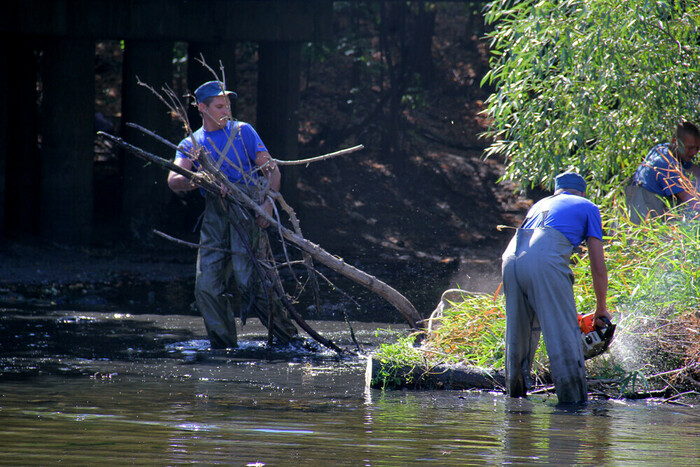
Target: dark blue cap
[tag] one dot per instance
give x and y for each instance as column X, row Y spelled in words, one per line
column 211, row 89
column 570, row 180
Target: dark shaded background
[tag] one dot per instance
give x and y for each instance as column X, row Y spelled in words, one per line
column 418, row 207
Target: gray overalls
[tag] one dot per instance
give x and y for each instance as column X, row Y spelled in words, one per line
column 538, row 287
column 642, row 203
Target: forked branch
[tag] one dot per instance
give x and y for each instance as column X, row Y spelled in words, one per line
column 235, row 195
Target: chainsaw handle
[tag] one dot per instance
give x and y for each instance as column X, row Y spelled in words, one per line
column 606, row 320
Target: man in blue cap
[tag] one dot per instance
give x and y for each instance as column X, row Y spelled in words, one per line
column 538, row 288
column 236, row 150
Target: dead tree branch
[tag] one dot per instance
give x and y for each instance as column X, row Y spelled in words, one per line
column 403, row 305
column 322, row 157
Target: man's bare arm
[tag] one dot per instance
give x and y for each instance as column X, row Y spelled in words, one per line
column 599, row 271
column 177, row 182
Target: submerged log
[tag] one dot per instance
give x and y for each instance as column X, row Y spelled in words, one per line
column 389, row 375
column 380, row 375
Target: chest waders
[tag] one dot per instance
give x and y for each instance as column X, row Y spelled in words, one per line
column 217, row 269
column 538, row 288
column 642, row 203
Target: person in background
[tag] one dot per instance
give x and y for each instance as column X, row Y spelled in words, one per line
column 538, row 288
column 237, row 150
column 666, row 175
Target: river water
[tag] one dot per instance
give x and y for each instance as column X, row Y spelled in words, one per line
column 109, row 388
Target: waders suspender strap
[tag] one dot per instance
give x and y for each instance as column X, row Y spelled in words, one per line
column 543, row 214
column 229, row 145
column 517, row 248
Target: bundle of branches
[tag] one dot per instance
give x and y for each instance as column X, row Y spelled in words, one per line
column 211, row 179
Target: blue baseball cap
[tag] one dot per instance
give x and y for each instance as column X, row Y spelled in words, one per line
column 212, row 89
column 570, row 180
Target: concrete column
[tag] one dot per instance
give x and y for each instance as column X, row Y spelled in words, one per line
column 67, row 113
column 145, row 188
column 19, row 151
column 279, row 73
column 4, row 117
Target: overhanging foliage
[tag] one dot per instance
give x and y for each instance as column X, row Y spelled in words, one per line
column 589, row 84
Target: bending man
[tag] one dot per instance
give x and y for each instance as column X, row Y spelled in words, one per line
column 538, row 287
column 237, row 150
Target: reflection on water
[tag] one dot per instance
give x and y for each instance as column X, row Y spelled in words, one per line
column 166, row 401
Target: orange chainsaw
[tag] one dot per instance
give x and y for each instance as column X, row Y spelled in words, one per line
column 595, row 340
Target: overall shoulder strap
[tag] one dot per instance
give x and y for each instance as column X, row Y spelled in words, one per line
column 543, row 214
column 229, row 145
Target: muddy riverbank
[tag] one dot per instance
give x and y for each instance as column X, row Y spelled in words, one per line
column 160, row 280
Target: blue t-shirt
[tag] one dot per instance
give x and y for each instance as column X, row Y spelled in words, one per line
column 661, row 171
column 574, row 216
column 238, row 152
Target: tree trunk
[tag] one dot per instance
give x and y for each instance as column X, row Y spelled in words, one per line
column 22, row 202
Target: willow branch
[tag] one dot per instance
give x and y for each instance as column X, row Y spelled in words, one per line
column 322, row 157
